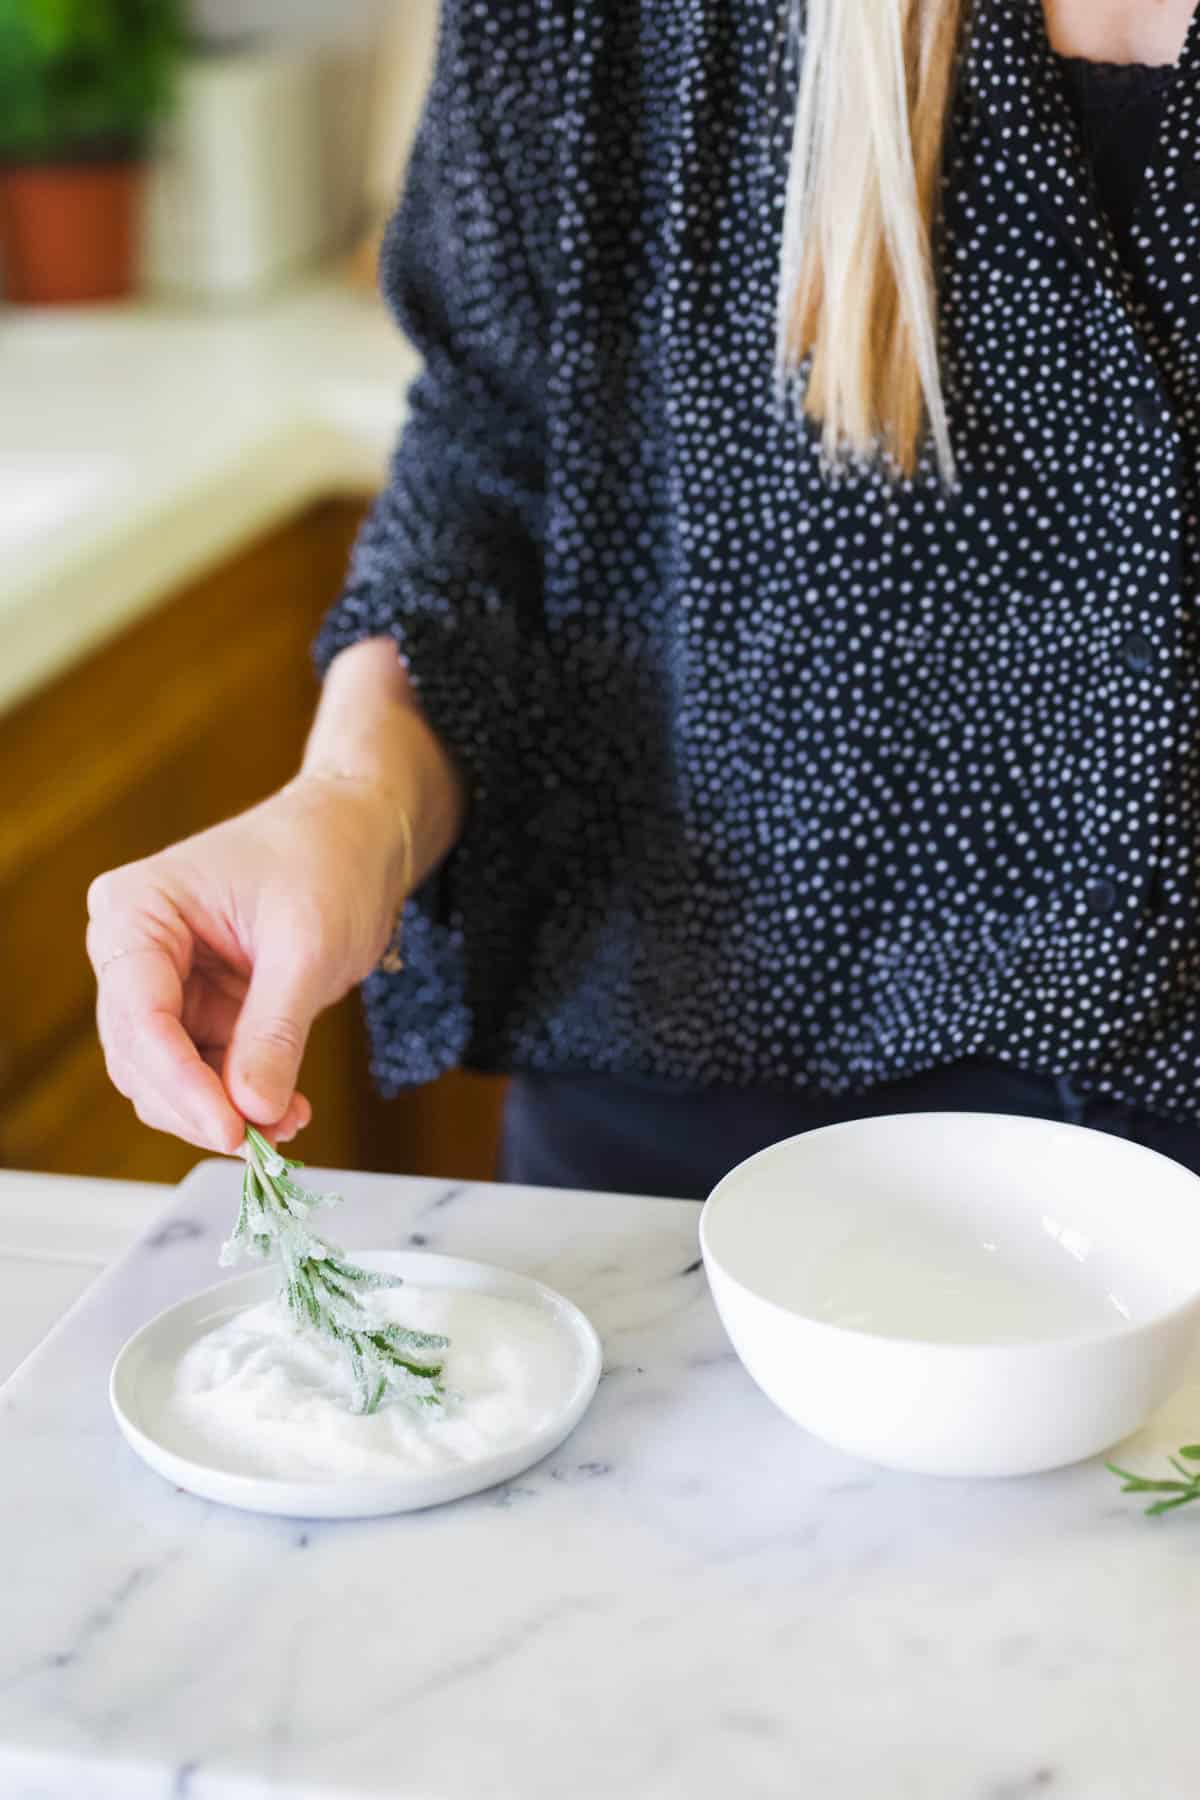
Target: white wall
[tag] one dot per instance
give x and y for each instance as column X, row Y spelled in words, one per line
column 402, row 34
column 239, row 18
column 408, row 29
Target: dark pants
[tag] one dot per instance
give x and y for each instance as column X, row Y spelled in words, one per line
column 641, row 1137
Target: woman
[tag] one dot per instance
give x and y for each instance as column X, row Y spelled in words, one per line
column 758, row 739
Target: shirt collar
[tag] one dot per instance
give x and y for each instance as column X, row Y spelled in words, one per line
column 1011, row 76
column 1010, row 66
column 1013, row 80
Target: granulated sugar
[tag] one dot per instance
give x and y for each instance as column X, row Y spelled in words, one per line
column 258, row 1397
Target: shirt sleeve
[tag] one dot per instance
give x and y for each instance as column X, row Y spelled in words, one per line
column 449, row 559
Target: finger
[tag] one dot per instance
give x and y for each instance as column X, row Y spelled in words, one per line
column 218, row 972
column 281, row 1003
column 299, row 1109
column 151, row 1056
column 209, row 1014
column 297, row 1116
column 172, row 1067
column 154, row 1112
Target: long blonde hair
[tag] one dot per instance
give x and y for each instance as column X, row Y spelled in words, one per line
column 856, row 336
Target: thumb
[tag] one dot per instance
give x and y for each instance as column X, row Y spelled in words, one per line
column 269, row 1037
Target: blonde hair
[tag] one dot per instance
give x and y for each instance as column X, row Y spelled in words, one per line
column 856, row 335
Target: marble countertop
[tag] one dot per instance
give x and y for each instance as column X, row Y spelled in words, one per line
column 56, row 1234
column 142, row 444
column 691, row 1598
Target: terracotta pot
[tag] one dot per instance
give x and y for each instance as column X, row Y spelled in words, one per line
column 69, row 231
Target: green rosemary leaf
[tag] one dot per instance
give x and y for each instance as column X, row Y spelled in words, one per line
column 1191, row 1451
column 320, row 1286
column 301, row 1200
column 1164, row 1506
column 341, row 1290
column 387, row 1353
column 421, row 1373
column 365, row 1278
column 1181, row 1493
column 1141, row 1484
column 403, row 1339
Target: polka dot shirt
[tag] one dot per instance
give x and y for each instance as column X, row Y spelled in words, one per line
column 777, row 779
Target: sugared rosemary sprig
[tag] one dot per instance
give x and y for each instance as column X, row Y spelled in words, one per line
column 322, row 1290
column 1176, row 1493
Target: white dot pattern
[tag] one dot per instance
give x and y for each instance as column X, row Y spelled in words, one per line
column 777, row 779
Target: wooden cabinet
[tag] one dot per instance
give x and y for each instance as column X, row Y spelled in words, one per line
column 195, row 712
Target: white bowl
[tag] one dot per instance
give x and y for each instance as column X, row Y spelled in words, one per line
column 959, row 1293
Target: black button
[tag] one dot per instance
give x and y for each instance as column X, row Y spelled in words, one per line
column 1101, row 895
column 1156, row 894
column 1189, row 182
column 1148, row 408
column 1137, row 652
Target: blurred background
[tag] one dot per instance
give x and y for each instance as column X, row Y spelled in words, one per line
column 199, row 389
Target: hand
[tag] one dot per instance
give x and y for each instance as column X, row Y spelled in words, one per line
column 214, row 957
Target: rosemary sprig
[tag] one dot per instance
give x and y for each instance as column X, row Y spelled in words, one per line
column 1186, row 1489
column 322, row 1290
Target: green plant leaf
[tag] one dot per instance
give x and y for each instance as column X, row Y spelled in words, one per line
column 1165, row 1506
column 1182, row 1492
column 78, row 75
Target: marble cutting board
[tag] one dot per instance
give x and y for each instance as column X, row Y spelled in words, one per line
column 690, row 1598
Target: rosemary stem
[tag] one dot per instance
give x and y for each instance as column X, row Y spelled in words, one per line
column 323, row 1292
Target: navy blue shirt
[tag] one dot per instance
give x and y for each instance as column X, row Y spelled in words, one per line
column 1118, row 109
column 777, row 779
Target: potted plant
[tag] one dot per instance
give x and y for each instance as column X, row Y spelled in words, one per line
column 81, row 84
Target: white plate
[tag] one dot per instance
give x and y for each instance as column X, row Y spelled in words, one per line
column 142, row 1375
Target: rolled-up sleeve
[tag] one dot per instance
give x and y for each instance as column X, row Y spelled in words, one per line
column 449, row 560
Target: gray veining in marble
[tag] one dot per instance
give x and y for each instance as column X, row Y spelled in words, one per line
column 690, row 1599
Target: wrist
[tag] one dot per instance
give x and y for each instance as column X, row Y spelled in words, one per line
column 352, row 783
column 371, row 734
column 359, row 727
column 388, row 821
